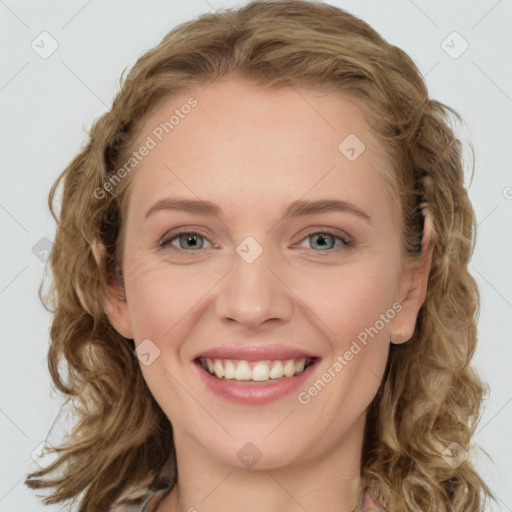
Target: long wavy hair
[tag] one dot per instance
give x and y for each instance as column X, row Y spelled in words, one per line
column 120, row 449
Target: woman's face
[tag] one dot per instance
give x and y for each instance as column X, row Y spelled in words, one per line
column 260, row 230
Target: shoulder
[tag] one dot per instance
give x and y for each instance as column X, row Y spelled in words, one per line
column 150, row 503
column 370, row 503
column 153, row 502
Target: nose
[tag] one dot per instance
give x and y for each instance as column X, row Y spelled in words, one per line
column 252, row 295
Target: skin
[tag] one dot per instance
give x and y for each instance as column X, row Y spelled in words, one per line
column 253, row 151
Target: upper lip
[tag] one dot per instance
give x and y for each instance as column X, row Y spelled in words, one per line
column 255, row 352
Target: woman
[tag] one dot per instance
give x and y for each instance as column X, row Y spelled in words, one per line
column 261, row 292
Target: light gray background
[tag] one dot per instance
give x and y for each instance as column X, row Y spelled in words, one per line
column 46, row 103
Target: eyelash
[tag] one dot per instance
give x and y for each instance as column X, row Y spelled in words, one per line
column 345, row 242
column 171, row 236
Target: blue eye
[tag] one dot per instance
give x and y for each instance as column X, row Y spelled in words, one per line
column 326, row 240
column 191, row 241
column 187, row 240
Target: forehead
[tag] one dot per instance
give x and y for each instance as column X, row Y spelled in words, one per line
column 242, row 146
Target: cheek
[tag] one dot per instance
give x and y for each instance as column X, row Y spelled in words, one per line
column 361, row 315
column 149, row 299
column 161, row 302
column 162, row 298
column 354, row 304
column 351, row 300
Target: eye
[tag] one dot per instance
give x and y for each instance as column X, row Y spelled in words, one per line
column 327, row 240
column 191, row 241
column 186, row 240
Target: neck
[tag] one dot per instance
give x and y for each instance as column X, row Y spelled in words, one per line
column 329, row 481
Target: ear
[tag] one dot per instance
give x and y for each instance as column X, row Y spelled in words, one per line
column 413, row 288
column 116, row 307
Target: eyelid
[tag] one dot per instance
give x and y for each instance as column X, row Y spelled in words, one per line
column 172, row 234
column 169, row 236
column 347, row 241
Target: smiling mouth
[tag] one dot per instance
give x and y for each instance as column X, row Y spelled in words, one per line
column 254, row 371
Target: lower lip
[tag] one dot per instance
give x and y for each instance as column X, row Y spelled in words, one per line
column 250, row 392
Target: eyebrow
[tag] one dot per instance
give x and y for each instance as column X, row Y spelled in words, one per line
column 301, row 207
column 295, row 209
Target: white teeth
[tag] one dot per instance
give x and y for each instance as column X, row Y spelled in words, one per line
column 299, row 365
column 229, row 369
column 277, row 370
column 243, row 371
column 259, row 371
column 218, row 368
column 289, row 368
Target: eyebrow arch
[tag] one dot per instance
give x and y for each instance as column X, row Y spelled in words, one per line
column 301, row 207
column 187, row 205
column 294, row 209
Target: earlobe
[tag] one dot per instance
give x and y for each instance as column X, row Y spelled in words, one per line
column 116, row 307
column 413, row 288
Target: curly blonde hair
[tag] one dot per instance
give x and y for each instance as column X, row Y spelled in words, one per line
column 120, row 449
